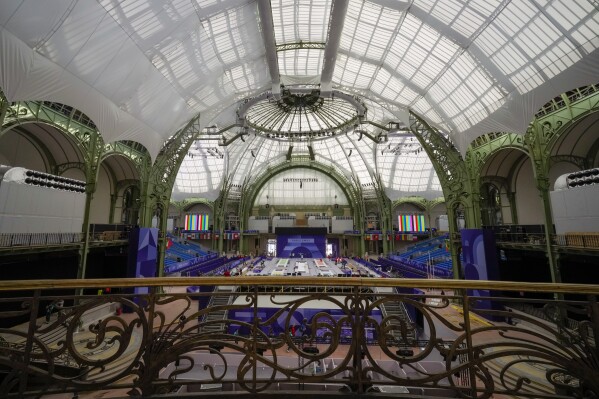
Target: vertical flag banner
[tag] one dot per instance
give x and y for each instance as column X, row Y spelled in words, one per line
column 411, row 223
column 196, row 222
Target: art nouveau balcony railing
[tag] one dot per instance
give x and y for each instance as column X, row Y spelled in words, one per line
column 237, row 341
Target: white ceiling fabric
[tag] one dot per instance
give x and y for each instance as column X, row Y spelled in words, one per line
column 141, row 69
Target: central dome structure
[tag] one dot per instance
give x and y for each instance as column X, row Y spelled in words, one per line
column 302, row 116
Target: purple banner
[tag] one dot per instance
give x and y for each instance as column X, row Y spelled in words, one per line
column 480, row 262
column 143, row 254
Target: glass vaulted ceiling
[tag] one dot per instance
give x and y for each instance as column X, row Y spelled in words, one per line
column 459, row 64
column 141, row 69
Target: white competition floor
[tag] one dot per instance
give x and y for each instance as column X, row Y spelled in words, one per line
column 308, row 267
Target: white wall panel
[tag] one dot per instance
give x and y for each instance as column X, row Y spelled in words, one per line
column 576, row 209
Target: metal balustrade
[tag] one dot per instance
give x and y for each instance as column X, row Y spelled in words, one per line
column 475, row 346
column 568, row 240
column 8, row 240
column 39, row 239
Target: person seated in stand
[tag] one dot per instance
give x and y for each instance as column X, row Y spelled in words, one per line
column 227, row 273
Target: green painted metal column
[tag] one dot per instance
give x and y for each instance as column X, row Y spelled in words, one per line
column 540, row 161
column 158, row 181
column 113, row 198
column 93, row 146
column 511, row 196
column 454, row 243
column 454, row 177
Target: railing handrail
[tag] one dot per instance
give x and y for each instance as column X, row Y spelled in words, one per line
column 14, row 285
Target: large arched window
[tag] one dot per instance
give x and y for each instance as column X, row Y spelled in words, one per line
column 301, row 187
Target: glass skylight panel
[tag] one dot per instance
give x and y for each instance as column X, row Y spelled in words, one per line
column 300, row 20
column 464, row 17
column 376, row 112
column 301, row 62
column 421, row 50
column 315, row 189
column 408, row 170
column 202, row 168
column 484, row 7
column 369, row 29
column 352, row 72
column 333, row 151
column 424, row 108
column 410, row 173
column 234, row 33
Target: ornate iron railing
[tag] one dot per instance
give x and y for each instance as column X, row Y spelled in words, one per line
column 164, row 343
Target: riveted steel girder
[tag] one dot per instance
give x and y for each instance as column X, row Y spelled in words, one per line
column 158, row 179
column 336, row 22
column 451, row 169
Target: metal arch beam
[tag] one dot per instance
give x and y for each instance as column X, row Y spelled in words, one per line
column 447, row 161
column 301, row 45
column 40, row 146
column 122, row 184
column 580, row 162
column 160, row 177
column 477, row 157
column 456, row 182
column 336, row 22
column 23, row 112
column 186, row 203
column 500, row 182
column 418, row 201
column 591, row 155
column 138, row 158
column 268, row 36
column 555, row 124
column 270, row 172
column 63, row 167
column 250, row 102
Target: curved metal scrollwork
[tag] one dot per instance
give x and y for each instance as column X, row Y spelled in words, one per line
column 240, row 339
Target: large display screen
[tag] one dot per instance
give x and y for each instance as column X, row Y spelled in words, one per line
column 196, row 222
column 307, row 242
column 411, row 223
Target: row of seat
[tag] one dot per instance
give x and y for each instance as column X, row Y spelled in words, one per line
column 182, row 251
